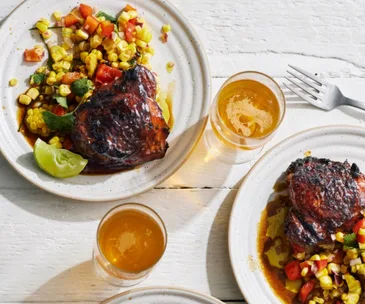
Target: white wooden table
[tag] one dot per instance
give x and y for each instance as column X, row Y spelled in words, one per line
column 46, row 241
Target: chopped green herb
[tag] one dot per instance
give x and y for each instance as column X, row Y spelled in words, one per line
column 107, row 17
column 62, row 101
column 59, row 123
column 37, row 79
column 350, row 241
column 81, row 86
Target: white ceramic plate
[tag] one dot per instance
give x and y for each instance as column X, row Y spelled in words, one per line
column 335, row 142
column 161, row 295
column 190, row 106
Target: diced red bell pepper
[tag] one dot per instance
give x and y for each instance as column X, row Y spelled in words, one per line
column 129, row 31
column 321, row 264
column 304, row 265
column 91, row 24
column 106, row 74
column 306, row 289
column 107, row 29
column 70, row 20
column 360, row 238
column 293, row 270
column 85, row 10
column 70, row 77
column 59, row 110
column 33, row 55
column 129, row 8
column 359, row 224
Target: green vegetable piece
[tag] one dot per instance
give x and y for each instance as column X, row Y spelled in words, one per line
column 37, row 79
column 293, row 286
column 107, row 17
column 59, row 123
column 81, row 86
column 62, row 101
column 350, row 241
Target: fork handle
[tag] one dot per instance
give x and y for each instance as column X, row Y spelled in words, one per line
column 354, row 103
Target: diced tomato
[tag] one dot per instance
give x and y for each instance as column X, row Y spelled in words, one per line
column 85, row 10
column 292, row 270
column 67, row 143
column 91, row 24
column 70, row 20
column 359, row 224
column 129, row 8
column 107, row 28
column 321, row 264
column 106, row 74
column 129, row 31
column 59, row 110
column 70, row 77
column 33, row 55
column 305, row 291
column 306, row 264
column 360, row 238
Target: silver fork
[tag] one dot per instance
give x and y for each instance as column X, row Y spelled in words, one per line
column 317, row 91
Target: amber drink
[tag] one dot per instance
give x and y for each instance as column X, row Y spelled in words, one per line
column 245, row 114
column 131, row 239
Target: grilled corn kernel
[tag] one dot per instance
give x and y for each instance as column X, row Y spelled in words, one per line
column 42, row 69
column 64, row 90
column 67, row 32
column 146, row 58
column 33, row 93
column 84, row 46
column 57, row 145
column 326, row 282
column 91, row 62
column 13, row 82
column 299, row 255
column 144, row 34
column 124, row 17
column 311, row 302
column 315, row 257
column 57, row 15
column 124, row 57
column 323, row 256
column 124, row 65
column 25, row 99
column 115, row 64
column 59, row 76
column 333, row 268
column 69, row 58
column 66, row 65
column 352, row 253
column 45, row 21
column 353, row 269
column 166, row 28
column 132, row 14
column 99, row 54
column 41, row 27
column 113, row 57
column 339, row 237
column 83, row 35
column 304, row 271
column 150, row 50
column 169, row 68
column 322, row 273
column 51, row 80
column 83, row 56
column 122, row 45
column 141, row 43
column 95, row 41
column 48, row 90
column 54, row 139
column 318, row 300
column 101, row 18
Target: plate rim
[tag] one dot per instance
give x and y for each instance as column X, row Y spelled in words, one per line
column 169, row 288
column 207, row 91
column 235, row 202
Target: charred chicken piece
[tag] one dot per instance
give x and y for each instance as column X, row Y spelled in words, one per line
column 327, row 196
column 122, row 126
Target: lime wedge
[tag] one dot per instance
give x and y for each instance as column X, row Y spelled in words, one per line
column 59, row 163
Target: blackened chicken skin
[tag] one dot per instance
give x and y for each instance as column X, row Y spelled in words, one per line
column 327, row 196
column 122, row 126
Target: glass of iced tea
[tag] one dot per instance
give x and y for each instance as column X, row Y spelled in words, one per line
column 130, row 240
column 245, row 114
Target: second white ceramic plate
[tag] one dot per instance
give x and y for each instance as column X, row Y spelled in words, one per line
column 190, row 106
column 161, row 295
column 338, row 143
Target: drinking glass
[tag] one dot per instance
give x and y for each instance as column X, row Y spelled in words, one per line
column 230, row 147
column 111, row 273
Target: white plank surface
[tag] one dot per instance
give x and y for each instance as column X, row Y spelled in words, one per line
column 46, row 242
